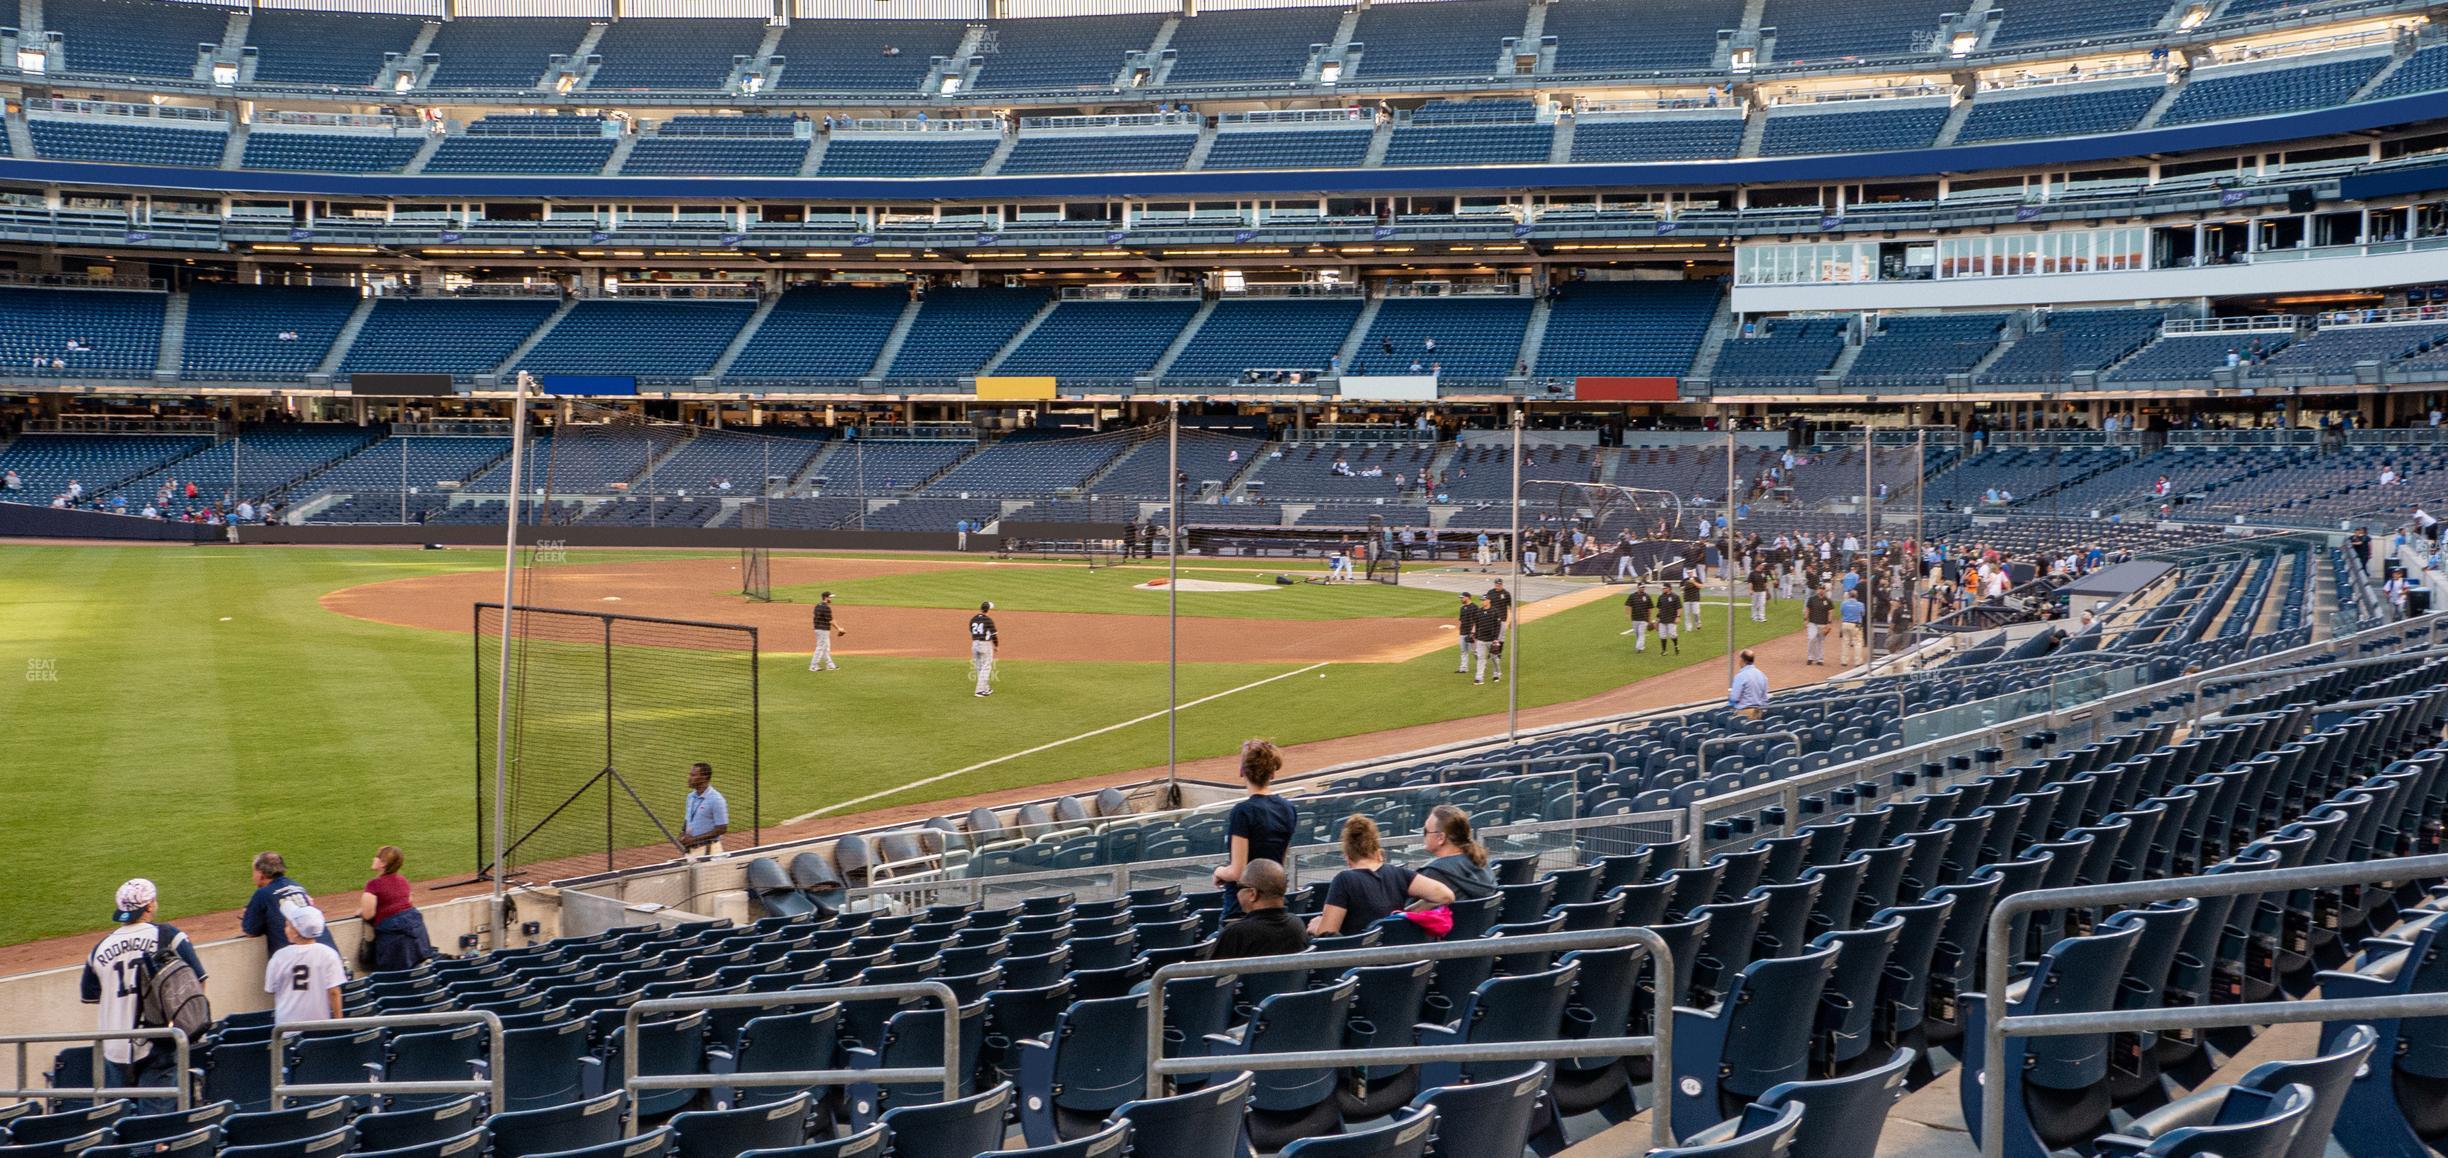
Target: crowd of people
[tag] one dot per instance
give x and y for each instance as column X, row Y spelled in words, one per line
column 176, row 501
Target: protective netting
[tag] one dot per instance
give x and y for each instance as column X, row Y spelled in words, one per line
column 607, row 714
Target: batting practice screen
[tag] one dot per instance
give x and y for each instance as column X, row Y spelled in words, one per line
column 607, row 713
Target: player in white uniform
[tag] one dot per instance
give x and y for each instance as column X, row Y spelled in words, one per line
column 982, row 640
column 304, row 978
column 114, row 979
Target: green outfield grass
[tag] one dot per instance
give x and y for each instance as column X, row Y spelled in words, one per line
column 182, row 709
column 1116, row 591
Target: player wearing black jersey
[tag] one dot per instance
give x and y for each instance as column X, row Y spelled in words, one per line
column 982, row 640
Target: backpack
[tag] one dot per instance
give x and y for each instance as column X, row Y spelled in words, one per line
column 173, row 994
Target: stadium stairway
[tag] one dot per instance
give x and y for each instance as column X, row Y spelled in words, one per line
column 233, row 146
column 416, row 164
column 1954, row 124
column 892, row 344
column 2018, row 327
column 1755, row 130
column 739, row 341
column 532, row 340
column 173, row 339
column 620, row 153
column 1721, row 327
column 1534, row 333
column 1380, row 140
column 20, row 139
column 1206, row 140
column 1353, row 341
column 1181, row 341
column 1560, row 152
column 1026, row 328
column 1002, row 153
column 814, row 160
column 347, row 337
column 2160, row 107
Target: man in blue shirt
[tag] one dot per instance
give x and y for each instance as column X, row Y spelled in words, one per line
column 1749, row 692
column 274, row 892
column 1849, row 615
column 705, row 815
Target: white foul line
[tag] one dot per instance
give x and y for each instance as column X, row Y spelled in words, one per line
column 942, row 776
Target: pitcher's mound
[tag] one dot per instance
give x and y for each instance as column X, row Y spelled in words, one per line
column 1208, row 585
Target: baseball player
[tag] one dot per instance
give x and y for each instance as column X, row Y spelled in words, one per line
column 1759, row 593
column 822, row 618
column 1484, row 553
column 1463, row 627
column 982, row 640
column 1486, row 628
column 1818, row 614
column 1338, row 565
column 1500, row 608
column 1669, row 613
column 1637, row 607
column 1691, row 600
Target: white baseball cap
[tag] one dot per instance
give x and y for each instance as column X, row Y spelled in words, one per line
column 306, row 919
column 133, row 897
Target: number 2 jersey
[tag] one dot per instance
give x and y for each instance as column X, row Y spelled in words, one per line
column 115, row 977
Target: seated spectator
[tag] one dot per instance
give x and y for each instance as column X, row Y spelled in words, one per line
column 1460, row 864
column 393, row 925
column 1266, row 928
column 304, row 978
column 1369, row 888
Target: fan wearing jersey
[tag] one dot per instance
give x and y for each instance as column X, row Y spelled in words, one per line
column 982, row 640
column 114, row 979
column 305, row 977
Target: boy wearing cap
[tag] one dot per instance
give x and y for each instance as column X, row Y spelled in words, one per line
column 114, row 979
column 304, row 978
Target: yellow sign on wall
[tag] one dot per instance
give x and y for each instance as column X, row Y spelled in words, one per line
column 1015, row 389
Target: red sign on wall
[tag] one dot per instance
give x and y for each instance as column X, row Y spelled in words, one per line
column 1626, row 389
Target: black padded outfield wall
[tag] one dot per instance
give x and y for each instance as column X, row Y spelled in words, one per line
column 695, row 538
column 26, row 521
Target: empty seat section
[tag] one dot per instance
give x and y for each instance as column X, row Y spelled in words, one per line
column 326, row 48
column 423, row 462
column 1062, row 52
column 2425, row 71
column 1289, row 149
column 279, row 332
column 330, row 152
column 504, row 52
column 1258, row 46
column 1811, row 32
column 2338, row 349
column 1478, row 340
column 2074, row 23
column 1594, row 36
column 2075, row 340
column 456, row 336
column 134, row 37
column 1922, row 349
column 2269, row 91
column 2069, row 113
column 99, row 462
column 864, row 55
column 1906, row 126
column 1204, row 457
column 1137, row 153
column 907, row 155
column 1099, row 341
column 2177, row 357
column 957, row 330
column 273, row 458
column 868, row 466
column 1265, row 334
column 1027, row 464
column 694, row 54
column 655, row 341
column 682, row 156
column 1662, row 138
column 1455, row 38
column 938, row 515
column 1784, row 352
column 526, row 144
column 118, row 333
column 1634, row 328
column 1470, row 144
column 828, row 335
column 128, row 141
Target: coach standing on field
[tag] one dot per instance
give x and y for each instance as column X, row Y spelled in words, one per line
column 822, row 618
column 982, row 640
column 705, row 815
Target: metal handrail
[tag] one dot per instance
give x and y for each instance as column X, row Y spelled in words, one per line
column 1658, row 1046
column 496, row 1074
column 948, row 1074
column 1995, row 968
column 176, row 1036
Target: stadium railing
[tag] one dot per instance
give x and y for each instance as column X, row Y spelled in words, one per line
column 491, row 1085
column 1658, row 1047
column 177, row 1038
column 948, row 1073
column 2003, row 942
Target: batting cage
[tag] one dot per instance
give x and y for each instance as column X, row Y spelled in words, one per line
column 606, row 714
column 756, row 563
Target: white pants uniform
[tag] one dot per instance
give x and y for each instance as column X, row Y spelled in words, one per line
column 1691, row 614
column 1339, row 567
column 1623, row 565
column 1487, row 555
column 1666, row 631
column 981, row 658
column 1463, row 663
column 823, row 659
column 1816, row 637
column 1759, row 607
column 1486, row 664
column 1640, row 635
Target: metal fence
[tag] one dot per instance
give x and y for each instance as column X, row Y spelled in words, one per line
column 947, row 1073
column 175, row 1036
column 496, row 1073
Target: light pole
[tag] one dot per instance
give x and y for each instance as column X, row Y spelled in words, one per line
column 501, row 691
column 1173, row 602
column 1513, row 605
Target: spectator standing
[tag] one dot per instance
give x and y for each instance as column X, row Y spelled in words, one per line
column 705, row 815
column 394, row 928
column 1261, row 825
column 1460, row 863
column 1266, row 928
column 1850, row 616
column 114, row 979
column 304, row 978
column 1748, row 693
column 1368, row 888
column 274, row 893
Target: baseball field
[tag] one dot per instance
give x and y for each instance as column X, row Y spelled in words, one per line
column 182, row 708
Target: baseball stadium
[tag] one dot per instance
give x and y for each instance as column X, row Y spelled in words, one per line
column 1219, row 578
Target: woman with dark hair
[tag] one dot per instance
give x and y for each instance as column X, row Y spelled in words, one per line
column 1460, row 864
column 394, row 929
column 1370, row 888
column 1261, row 825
